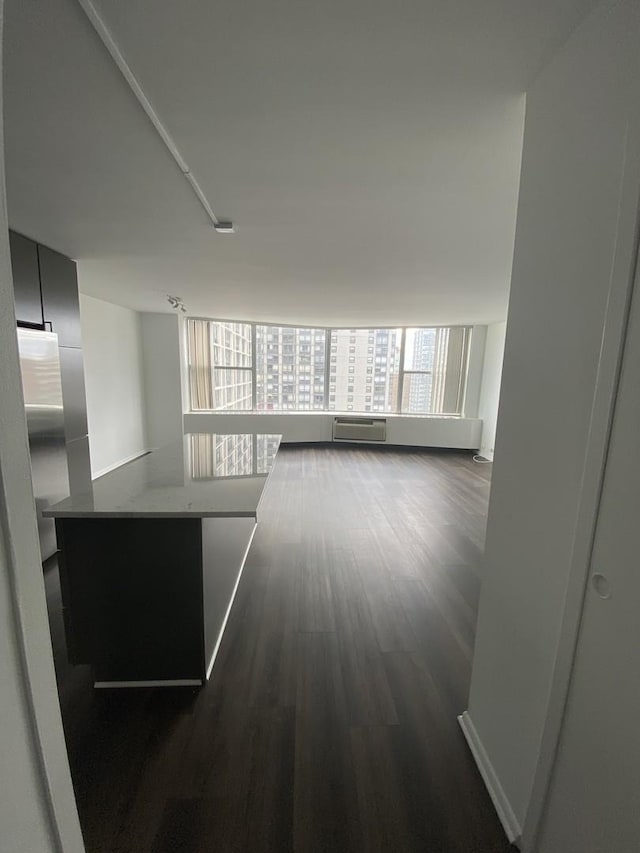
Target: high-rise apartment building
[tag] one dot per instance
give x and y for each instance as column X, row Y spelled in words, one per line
column 421, row 358
column 363, row 370
column 231, row 348
column 290, row 368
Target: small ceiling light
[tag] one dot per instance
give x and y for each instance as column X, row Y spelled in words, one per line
column 224, row 228
column 177, row 303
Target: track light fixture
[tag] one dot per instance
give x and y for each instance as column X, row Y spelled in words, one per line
column 176, row 303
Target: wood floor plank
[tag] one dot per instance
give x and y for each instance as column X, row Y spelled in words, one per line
column 437, row 642
column 367, row 692
column 393, row 628
column 315, row 597
column 274, row 670
column 325, row 816
column 181, row 827
column 385, row 793
column 270, row 800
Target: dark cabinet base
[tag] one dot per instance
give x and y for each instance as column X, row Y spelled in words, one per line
column 145, row 600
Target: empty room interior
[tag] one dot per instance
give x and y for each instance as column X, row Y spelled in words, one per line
column 319, row 405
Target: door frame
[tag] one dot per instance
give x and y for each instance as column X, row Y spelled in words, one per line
column 31, row 656
column 624, row 278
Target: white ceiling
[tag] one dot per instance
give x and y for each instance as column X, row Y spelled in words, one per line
column 367, row 150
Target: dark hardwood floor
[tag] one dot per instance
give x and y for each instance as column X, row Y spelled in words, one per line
column 329, row 723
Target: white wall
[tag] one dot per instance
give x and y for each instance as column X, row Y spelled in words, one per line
column 490, row 386
column 161, row 354
column 37, row 806
column 569, row 218
column 112, row 352
column 300, row 428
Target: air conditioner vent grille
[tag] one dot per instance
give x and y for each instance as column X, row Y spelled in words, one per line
column 359, row 429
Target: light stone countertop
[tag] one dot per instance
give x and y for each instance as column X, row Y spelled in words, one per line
column 202, row 475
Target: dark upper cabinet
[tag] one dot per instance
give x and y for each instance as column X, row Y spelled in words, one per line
column 26, row 279
column 59, row 283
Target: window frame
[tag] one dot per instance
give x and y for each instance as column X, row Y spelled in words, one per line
column 329, row 353
column 250, row 369
column 462, row 371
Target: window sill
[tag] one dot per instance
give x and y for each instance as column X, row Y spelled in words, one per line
column 332, row 413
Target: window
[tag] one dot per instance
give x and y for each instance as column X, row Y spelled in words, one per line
column 353, row 371
column 220, row 365
column 434, row 369
column 236, row 366
column 304, row 355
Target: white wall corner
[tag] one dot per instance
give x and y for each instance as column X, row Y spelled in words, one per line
column 162, row 377
column 113, row 369
column 474, row 372
column 490, row 386
column 500, row 800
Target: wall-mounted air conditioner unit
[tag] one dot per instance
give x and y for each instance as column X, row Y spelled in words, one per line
column 359, row 429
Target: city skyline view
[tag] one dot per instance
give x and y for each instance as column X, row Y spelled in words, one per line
column 236, row 366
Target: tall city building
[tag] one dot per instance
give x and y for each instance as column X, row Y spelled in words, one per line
column 363, row 370
column 425, row 363
column 290, row 368
column 422, row 343
column 231, row 349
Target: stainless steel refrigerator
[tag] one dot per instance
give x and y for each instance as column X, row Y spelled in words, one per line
column 42, row 385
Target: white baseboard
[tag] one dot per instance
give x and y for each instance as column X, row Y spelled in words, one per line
column 118, row 464
column 496, row 792
column 486, row 453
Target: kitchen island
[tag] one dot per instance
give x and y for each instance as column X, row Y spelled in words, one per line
column 151, row 555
